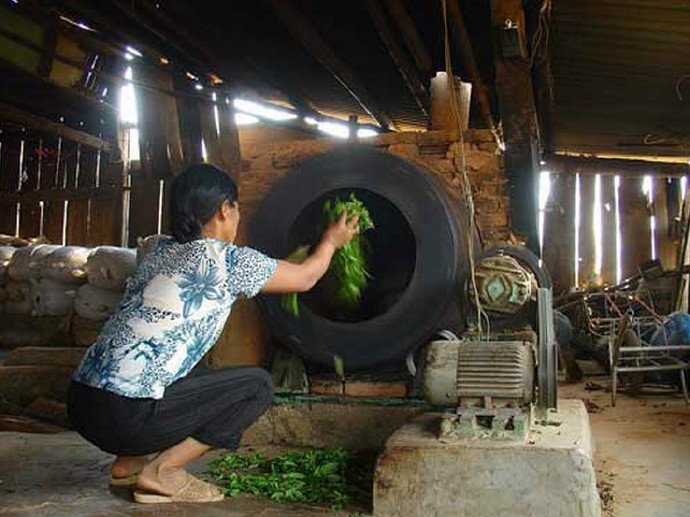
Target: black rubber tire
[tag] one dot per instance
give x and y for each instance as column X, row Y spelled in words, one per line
column 433, row 298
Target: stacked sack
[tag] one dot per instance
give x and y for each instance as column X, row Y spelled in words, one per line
column 107, row 270
column 6, row 253
column 55, row 278
column 23, row 276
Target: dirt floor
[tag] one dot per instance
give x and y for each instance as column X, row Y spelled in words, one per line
column 642, row 450
column 642, row 458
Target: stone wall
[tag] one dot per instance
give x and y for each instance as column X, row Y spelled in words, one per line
column 243, row 341
column 437, row 151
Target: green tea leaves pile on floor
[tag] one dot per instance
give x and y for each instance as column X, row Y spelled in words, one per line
column 334, row 477
column 349, row 262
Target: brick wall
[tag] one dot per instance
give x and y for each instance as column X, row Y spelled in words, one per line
column 436, row 151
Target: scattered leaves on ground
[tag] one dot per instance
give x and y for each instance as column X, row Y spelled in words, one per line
column 334, row 477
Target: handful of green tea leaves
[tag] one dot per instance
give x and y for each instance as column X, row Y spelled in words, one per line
column 332, row 476
column 348, row 265
column 349, row 262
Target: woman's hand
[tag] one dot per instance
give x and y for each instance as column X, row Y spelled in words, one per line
column 298, row 278
column 340, row 232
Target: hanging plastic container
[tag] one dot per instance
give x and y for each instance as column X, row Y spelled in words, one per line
column 442, row 113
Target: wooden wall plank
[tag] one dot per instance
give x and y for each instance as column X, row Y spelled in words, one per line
column 209, row 133
column 105, row 216
column 10, row 157
column 30, row 211
column 143, row 208
column 665, row 247
column 78, row 210
column 190, row 123
column 158, row 124
column 559, row 232
column 229, row 141
column 52, row 174
column 587, row 242
column 609, row 244
column 635, row 228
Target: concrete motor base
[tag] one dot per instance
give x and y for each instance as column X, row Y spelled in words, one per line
column 549, row 476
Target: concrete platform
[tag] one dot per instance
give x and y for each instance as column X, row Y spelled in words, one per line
column 552, row 475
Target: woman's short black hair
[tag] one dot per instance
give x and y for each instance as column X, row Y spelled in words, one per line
column 196, row 195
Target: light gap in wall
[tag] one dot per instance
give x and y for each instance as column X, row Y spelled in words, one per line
column 216, row 116
column 161, row 189
column 544, row 192
column 648, row 190
column 576, row 267
column 39, row 181
column 19, row 187
column 619, row 235
column 598, row 227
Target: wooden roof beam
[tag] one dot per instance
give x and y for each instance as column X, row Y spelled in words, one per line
column 565, row 164
column 518, row 117
column 402, row 62
column 411, row 36
column 296, row 98
column 20, row 117
column 303, row 31
column 464, row 49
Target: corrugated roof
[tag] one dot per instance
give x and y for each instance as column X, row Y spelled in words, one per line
column 617, row 65
column 617, row 68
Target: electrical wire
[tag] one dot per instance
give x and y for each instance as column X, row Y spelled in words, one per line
column 540, row 40
column 467, row 190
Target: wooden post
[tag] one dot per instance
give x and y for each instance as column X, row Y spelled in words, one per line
column 518, row 115
column 189, row 124
column 665, row 247
column 559, row 233
column 635, row 229
column 51, row 178
column 586, row 255
column 229, row 140
column 30, row 211
column 609, row 237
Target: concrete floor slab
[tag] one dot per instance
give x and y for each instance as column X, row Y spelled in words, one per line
column 641, row 451
column 61, row 475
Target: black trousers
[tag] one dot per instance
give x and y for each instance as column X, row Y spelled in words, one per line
column 211, row 406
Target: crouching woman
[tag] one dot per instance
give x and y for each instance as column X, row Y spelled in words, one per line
column 136, row 393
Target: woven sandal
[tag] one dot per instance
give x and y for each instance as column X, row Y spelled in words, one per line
column 123, row 481
column 193, row 491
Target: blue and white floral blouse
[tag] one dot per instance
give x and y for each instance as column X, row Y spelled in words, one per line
column 172, row 312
